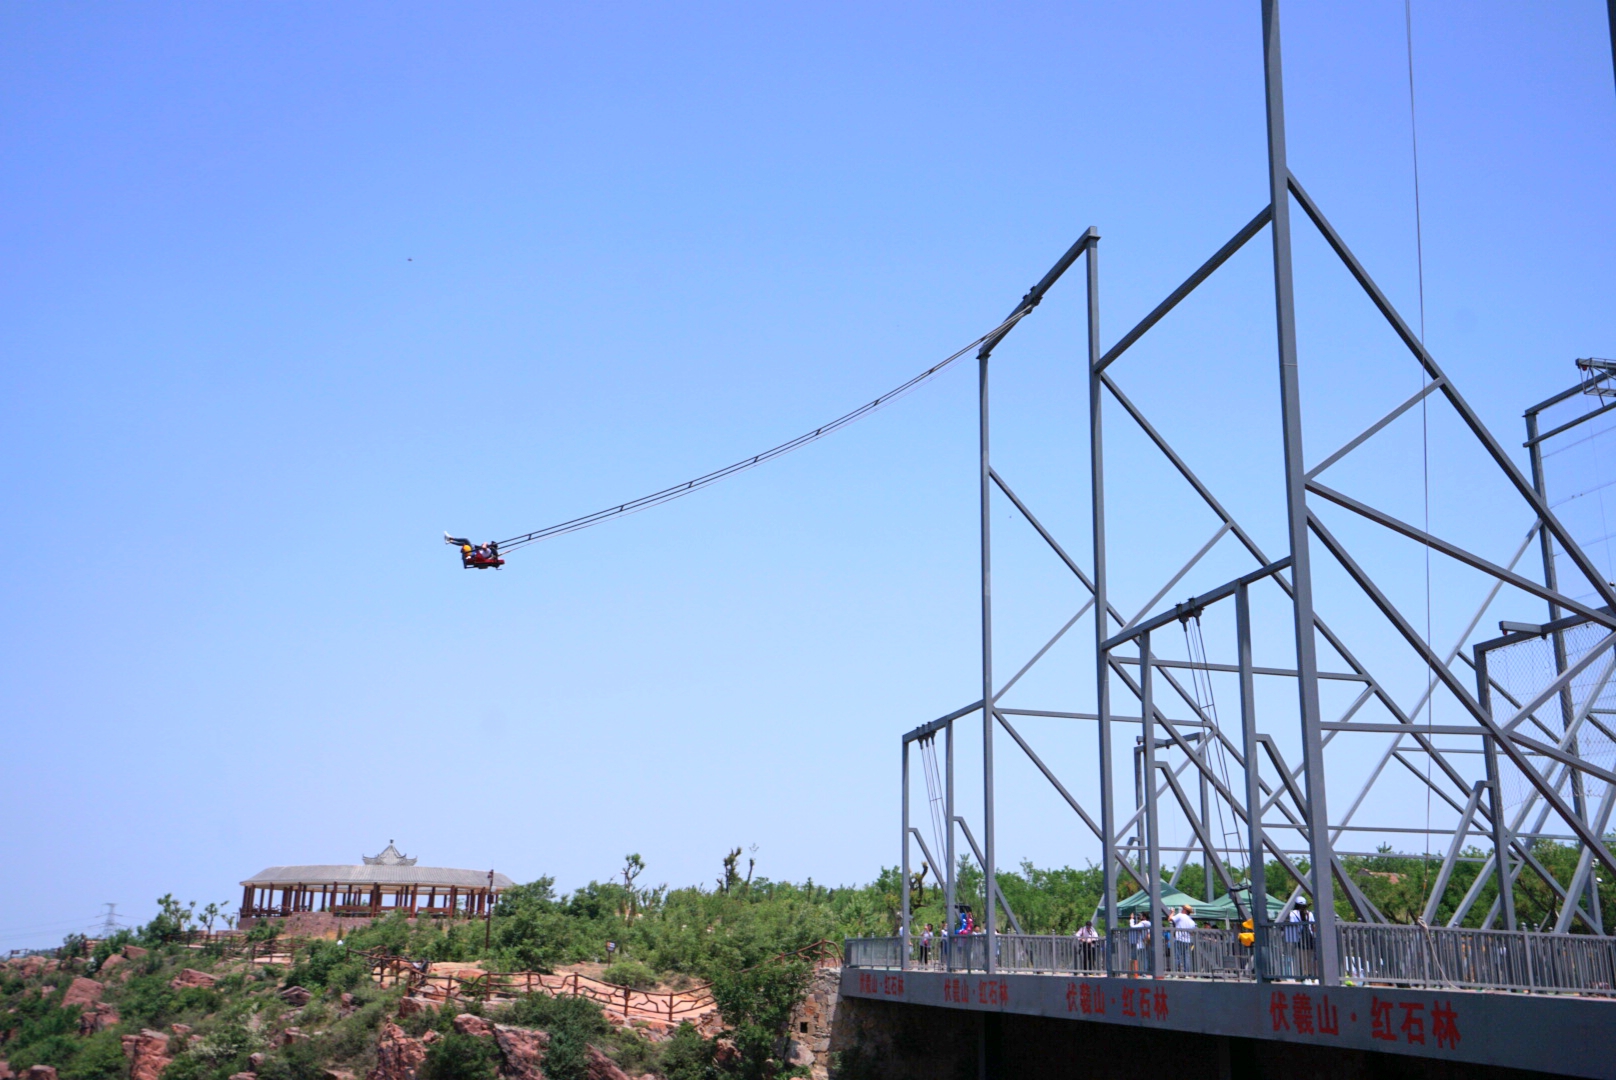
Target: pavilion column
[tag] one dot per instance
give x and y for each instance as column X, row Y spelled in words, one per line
column 454, row 900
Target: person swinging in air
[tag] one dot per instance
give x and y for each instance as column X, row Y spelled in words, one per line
column 476, row 556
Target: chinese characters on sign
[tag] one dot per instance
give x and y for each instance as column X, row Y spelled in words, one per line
column 1292, row 1011
column 987, row 991
column 885, row 985
column 1410, row 1026
column 1085, row 998
column 1389, row 1021
column 1146, row 1003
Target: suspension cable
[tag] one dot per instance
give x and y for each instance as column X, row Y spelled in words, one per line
column 1201, row 676
column 1425, row 426
column 679, row 491
column 934, row 799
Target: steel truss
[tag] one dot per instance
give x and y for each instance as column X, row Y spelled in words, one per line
column 1280, row 804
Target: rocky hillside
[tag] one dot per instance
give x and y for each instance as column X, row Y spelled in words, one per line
column 183, row 1013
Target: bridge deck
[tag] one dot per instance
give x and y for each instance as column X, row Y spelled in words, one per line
column 1556, row 1033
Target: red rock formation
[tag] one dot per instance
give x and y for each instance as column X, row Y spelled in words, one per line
column 40, row 1072
column 82, row 991
column 397, row 1055
column 522, row 1051
column 469, row 1024
column 97, row 1017
column 411, row 1005
column 147, row 1053
column 601, row 1067
column 190, row 977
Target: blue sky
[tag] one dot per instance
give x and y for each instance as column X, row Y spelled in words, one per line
column 288, row 290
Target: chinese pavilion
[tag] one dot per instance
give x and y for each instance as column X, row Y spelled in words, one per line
column 381, row 885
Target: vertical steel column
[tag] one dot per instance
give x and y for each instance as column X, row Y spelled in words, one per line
column 1152, row 865
column 1257, row 871
column 1102, row 609
column 903, row 925
column 990, row 887
column 1551, row 578
column 950, row 901
column 1506, row 886
column 1307, row 664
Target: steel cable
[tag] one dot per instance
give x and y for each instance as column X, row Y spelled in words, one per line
column 678, row 491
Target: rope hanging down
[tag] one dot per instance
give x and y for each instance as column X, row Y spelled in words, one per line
column 680, row 490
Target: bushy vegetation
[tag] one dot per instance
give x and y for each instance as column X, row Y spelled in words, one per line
column 1060, row 901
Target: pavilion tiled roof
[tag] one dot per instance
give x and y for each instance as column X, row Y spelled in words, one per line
column 277, row 876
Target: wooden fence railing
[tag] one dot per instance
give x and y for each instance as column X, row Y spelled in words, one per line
column 672, row 1006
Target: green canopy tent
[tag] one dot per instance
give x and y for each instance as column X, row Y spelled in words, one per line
column 1221, row 909
column 1139, row 902
column 1224, row 908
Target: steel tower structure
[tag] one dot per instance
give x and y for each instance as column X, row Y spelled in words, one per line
column 1526, row 737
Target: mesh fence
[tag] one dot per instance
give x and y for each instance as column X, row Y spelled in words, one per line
column 1524, row 670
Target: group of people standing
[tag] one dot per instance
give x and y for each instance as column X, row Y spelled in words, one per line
column 1178, row 936
column 1179, row 940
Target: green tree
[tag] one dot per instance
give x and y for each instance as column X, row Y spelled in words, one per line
column 756, row 1007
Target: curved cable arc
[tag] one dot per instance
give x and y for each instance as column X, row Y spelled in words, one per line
column 678, row 491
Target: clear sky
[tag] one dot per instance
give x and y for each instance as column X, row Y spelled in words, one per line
column 287, row 290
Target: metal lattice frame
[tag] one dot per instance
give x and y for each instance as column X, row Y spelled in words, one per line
column 1281, row 805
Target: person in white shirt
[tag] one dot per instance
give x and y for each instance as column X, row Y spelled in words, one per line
column 1138, row 937
column 1183, row 937
column 1087, row 939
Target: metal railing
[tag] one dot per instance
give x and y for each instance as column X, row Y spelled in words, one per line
column 1370, row 953
column 1479, row 959
column 1288, row 951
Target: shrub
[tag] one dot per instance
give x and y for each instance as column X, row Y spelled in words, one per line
column 99, row 1058
column 265, row 930
column 468, row 1057
column 630, row 973
column 553, row 1013
column 299, row 1061
column 573, row 1022
column 54, row 1050
column 567, row 1056
column 688, row 1056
